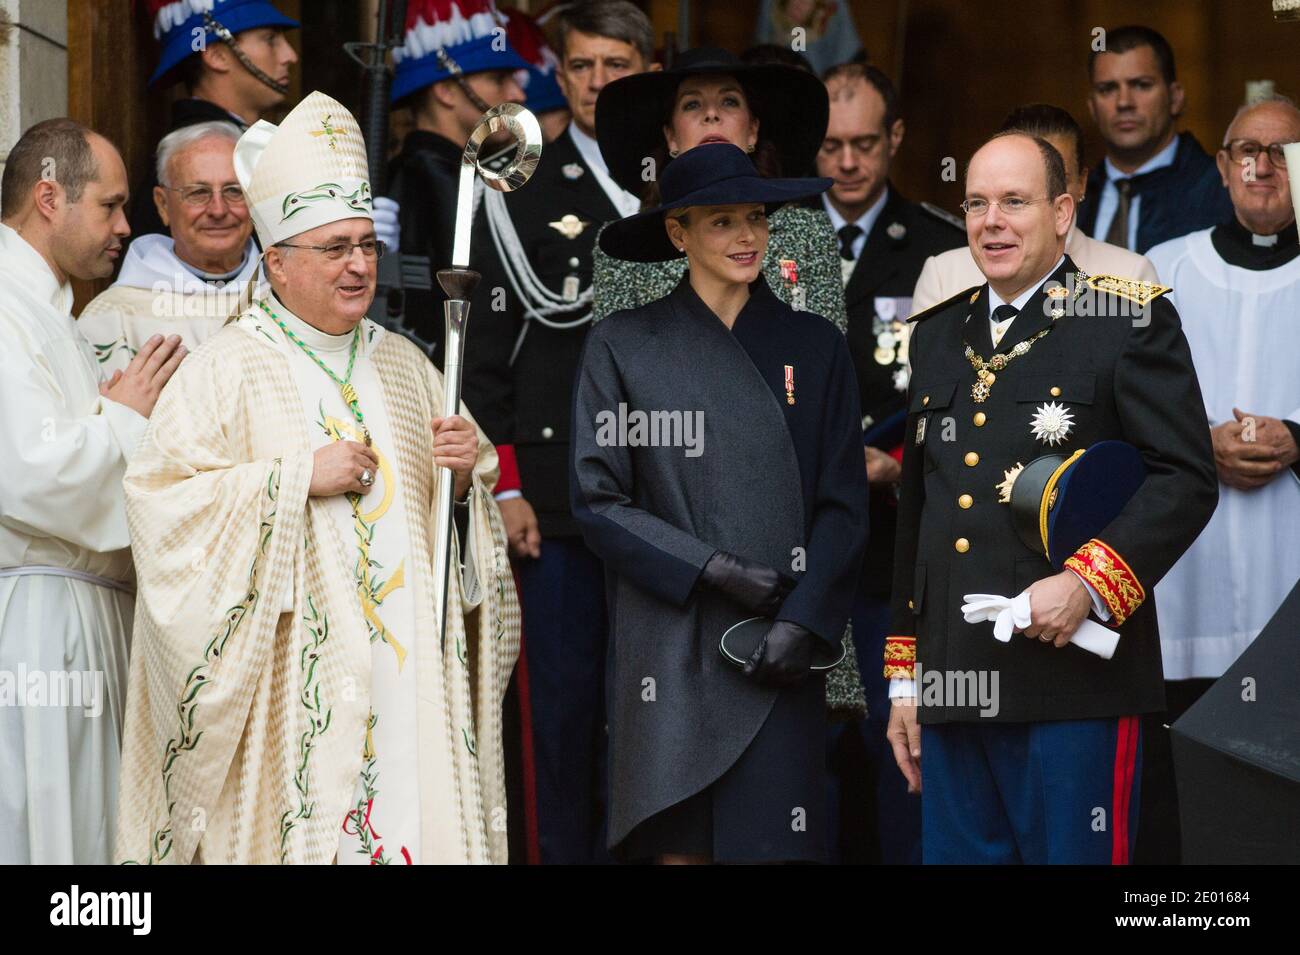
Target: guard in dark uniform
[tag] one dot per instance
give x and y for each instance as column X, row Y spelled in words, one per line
column 448, row 82
column 524, row 360
column 884, row 243
column 526, row 366
column 1032, row 747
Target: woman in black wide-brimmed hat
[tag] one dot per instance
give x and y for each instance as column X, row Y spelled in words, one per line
column 717, row 472
column 776, row 113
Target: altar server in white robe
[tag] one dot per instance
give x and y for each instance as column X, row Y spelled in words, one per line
column 1237, row 287
column 290, row 698
column 65, row 437
column 187, row 283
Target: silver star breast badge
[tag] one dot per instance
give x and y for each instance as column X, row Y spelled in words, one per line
column 1051, row 423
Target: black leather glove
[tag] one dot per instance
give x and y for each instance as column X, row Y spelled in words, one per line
column 784, row 656
column 756, row 587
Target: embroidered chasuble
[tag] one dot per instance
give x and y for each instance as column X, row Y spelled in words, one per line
column 288, row 689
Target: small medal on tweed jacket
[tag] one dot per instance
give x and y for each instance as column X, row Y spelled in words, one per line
column 790, row 278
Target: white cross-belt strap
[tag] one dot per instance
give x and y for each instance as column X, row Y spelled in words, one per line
column 35, row 571
column 539, row 302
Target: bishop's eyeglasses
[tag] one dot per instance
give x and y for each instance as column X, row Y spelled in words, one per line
column 370, row 248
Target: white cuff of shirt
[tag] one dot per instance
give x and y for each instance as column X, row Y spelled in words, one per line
column 507, row 495
column 901, row 686
column 1098, row 605
column 126, row 424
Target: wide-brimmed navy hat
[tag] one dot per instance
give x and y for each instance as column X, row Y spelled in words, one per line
column 714, row 174
column 1060, row 503
column 791, row 105
column 175, row 23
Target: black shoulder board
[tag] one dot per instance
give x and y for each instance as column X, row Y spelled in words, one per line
column 944, row 214
column 964, row 295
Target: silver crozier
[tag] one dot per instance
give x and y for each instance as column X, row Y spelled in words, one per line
column 459, row 283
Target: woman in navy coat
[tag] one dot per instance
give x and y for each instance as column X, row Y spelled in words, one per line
column 717, row 472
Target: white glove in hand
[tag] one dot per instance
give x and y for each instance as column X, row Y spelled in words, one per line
column 1009, row 614
column 387, row 228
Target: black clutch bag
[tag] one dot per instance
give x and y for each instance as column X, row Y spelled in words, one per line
column 742, row 639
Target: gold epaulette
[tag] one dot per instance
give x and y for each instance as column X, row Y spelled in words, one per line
column 1131, row 289
column 940, row 306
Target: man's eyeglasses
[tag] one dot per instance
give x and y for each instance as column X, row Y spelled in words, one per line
column 1241, row 150
column 370, row 248
column 199, row 196
column 1010, row 205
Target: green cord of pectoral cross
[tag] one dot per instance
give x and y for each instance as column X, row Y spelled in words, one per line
column 345, row 383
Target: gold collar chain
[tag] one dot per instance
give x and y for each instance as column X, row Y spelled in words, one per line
column 985, row 371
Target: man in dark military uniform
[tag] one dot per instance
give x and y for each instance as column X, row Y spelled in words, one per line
column 884, row 243
column 1032, row 746
column 448, row 81
column 521, row 362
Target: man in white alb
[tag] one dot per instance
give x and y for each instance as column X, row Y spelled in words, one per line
column 66, row 592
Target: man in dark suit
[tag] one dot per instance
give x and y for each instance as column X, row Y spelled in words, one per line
column 1038, row 763
column 521, row 363
column 884, row 243
column 1155, row 183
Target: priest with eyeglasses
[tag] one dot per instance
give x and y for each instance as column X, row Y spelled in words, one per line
column 187, row 283
column 1237, row 287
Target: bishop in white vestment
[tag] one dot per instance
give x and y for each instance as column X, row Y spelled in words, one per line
column 291, row 700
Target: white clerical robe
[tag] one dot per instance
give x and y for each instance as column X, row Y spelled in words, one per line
column 65, row 574
column 157, row 294
column 1242, row 328
column 290, row 699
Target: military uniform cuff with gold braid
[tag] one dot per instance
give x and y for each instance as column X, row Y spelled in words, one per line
column 900, row 657
column 1110, row 576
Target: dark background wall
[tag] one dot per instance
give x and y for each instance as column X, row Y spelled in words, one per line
column 961, row 64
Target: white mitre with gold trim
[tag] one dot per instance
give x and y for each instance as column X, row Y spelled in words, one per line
column 307, row 172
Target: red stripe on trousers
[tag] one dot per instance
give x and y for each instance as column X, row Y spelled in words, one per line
column 528, row 761
column 1125, row 762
